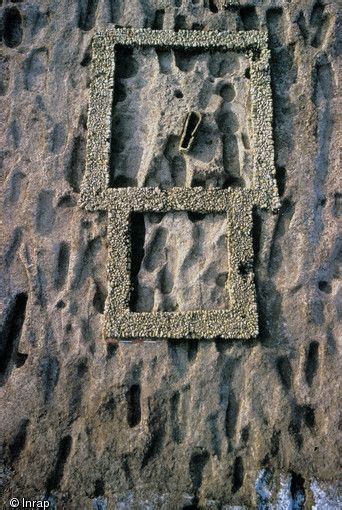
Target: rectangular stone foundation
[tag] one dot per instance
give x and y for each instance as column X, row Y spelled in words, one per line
column 239, row 320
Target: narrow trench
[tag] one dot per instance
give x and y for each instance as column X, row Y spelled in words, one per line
column 158, row 19
column 133, row 405
column 126, row 66
column 12, row 27
column 17, row 445
column 11, row 335
column 55, row 478
column 212, row 6
column 256, row 239
column 297, row 489
column 87, row 16
column 197, row 464
column 99, row 488
column 311, row 364
column 137, row 231
column 238, row 475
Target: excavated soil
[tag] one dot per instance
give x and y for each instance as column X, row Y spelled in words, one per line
column 168, row 424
